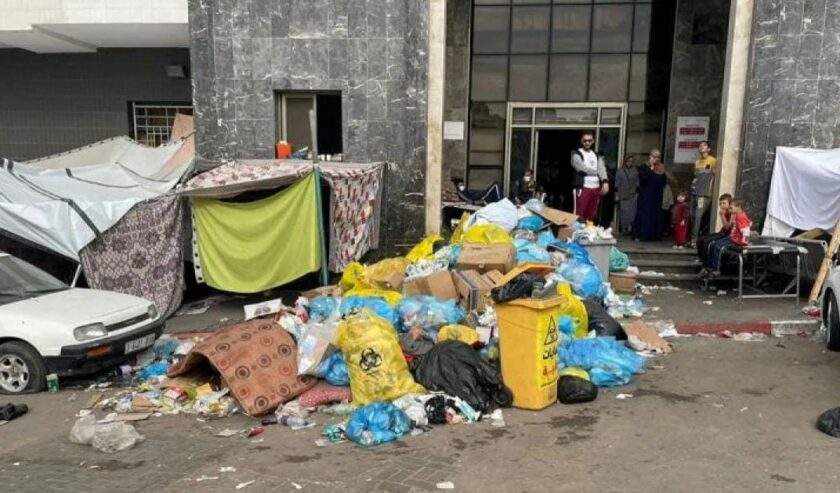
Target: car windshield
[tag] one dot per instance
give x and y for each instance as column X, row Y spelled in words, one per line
column 20, row 279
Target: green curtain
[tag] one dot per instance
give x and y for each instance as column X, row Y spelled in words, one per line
column 254, row 246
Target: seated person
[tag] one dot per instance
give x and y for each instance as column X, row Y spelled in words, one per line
column 725, row 213
column 739, row 234
column 461, row 194
column 526, row 189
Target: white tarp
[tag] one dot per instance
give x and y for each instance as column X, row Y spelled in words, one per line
column 804, row 191
column 63, row 202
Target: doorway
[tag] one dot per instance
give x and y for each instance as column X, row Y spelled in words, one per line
column 554, row 171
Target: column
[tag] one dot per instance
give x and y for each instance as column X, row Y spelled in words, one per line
column 434, row 115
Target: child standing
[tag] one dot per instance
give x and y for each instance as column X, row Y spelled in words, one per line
column 739, row 234
column 679, row 220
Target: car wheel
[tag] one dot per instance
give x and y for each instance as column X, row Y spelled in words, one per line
column 22, row 369
column 832, row 323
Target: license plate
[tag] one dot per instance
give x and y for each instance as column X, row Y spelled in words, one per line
column 138, row 344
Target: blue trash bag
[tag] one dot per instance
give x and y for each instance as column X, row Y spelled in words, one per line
column 527, row 251
column 376, row 305
column 531, row 223
column 567, row 325
column 377, row 423
column 546, row 238
column 608, row 362
column 155, row 369
column 321, row 307
column 427, row 312
column 334, row 370
column 585, row 279
column 453, row 255
column 576, row 251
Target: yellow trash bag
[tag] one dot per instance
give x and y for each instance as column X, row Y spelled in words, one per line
column 457, row 332
column 390, row 297
column 386, row 274
column 487, row 234
column 378, row 371
column 458, row 234
column 351, row 276
column 575, row 309
column 573, row 372
column 423, row 250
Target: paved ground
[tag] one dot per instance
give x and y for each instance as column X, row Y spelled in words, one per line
column 720, row 415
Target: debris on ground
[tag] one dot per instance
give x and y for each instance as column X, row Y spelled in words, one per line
column 829, row 422
column 624, row 396
column 743, row 336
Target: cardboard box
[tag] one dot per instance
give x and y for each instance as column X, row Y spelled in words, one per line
column 440, row 285
column 557, row 217
column 623, row 282
column 323, row 290
column 486, row 258
column 642, row 338
column 474, row 288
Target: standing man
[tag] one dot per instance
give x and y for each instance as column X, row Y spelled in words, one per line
column 701, row 187
column 591, row 180
column 627, row 190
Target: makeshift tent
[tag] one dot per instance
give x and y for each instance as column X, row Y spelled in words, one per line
column 803, row 191
column 355, row 198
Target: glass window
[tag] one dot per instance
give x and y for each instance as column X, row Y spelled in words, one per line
column 482, row 158
column 568, row 78
column 520, row 153
column 570, row 28
column 588, row 116
column 490, row 29
column 528, row 78
column 522, row 115
column 530, row 30
column 487, row 139
column 610, row 116
column 641, row 28
column 608, row 76
column 638, row 77
column 644, row 128
column 480, row 179
column 489, row 78
column 611, row 28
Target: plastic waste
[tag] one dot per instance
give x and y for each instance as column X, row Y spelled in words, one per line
column 527, row 251
column 377, row 423
column 458, row 235
column 454, row 368
column 427, row 312
column 334, row 370
column 531, row 223
column 107, row 437
column 829, row 422
column 602, row 322
column 414, row 405
column 323, row 307
column 573, row 372
column 576, row 251
column 386, row 274
column 608, row 362
column 351, row 276
column 521, row 286
column 535, row 205
column 575, row 390
column 425, row 249
column 502, row 214
column 486, row 234
column 575, row 309
column 456, row 332
column 154, row 370
column 377, row 305
column 619, row 261
column 390, row 297
column 165, row 346
column 374, row 359
column 584, row 277
column 315, row 345
column 11, row 411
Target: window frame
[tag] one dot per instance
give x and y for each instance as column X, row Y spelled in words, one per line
column 133, row 106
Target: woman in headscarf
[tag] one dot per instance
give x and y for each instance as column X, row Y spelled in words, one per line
column 627, row 191
column 652, row 180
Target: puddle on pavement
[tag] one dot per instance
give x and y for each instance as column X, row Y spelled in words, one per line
column 300, row 459
column 666, row 395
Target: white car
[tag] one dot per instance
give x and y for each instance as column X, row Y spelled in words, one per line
column 48, row 327
column 830, row 312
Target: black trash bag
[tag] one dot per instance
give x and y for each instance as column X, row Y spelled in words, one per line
column 456, row 369
column 575, row 390
column 829, row 422
column 436, row 409
column 520, row 286
column 602, row 322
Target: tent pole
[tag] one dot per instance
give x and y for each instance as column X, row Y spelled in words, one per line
column 319, row 199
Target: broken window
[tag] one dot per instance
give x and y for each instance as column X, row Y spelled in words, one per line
column 294, row 126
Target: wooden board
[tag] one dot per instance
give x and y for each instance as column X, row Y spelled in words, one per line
column 826, row 264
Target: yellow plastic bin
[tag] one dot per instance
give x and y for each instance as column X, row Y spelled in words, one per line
column 528, row 339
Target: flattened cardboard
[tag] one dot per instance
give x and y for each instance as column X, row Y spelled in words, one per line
column 440, row 285
column 623, row 282
column 486, row 258
column 557, row 217
column 641, row 337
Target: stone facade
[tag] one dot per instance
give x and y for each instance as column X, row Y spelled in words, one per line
column 794, row 88
column 373, row 51
column 697, row 69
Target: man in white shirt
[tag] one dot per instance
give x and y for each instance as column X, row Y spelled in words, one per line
column 591, row 180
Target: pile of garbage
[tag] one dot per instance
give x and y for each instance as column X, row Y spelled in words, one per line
column 511, row 311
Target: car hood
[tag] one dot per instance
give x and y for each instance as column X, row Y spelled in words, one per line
column 76, row 307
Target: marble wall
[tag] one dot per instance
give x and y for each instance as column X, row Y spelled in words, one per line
column 373, row 51
column 456, row 97
column 794, row 88
column 697, row 70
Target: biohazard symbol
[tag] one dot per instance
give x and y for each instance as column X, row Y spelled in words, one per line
column 370, row 359
column 551, row 335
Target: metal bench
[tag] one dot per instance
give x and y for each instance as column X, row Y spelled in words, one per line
column 758, row 254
